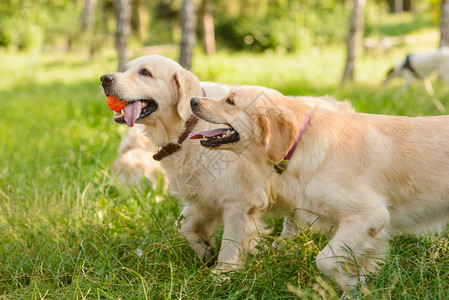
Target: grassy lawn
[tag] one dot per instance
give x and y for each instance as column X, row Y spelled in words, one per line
column 67, row 231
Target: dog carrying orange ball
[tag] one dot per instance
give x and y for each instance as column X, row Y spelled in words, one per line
column 116, row 104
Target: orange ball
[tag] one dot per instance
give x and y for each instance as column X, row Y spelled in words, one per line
column 116, row 104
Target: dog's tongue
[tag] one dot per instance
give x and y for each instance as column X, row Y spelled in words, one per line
column 208, row 134
column 132, row 112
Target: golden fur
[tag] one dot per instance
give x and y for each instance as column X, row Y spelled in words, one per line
column 134, row 163
column 214, row 186
column 366, row 176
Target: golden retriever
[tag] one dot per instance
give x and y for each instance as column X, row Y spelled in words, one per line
column 366, row 176
column 214, row 186
column 135, row 166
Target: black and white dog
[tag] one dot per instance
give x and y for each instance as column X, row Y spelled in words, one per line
column 420, row 66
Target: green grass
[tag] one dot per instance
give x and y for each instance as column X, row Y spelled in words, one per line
column 67, row 231
column 393, row 25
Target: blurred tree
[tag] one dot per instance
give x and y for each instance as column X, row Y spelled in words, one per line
column 285, row 25
column 208, row 27
column 107, row 15
column 354, row 38
column 444, row 24
column 187, row 16
column 398, row 6
column 87, row 21
column 88, row 14
column 123, row 31
column 140, row 19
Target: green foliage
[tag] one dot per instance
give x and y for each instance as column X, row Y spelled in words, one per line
column 258, row 35
column 63, row 22
column 284, row 25
column 21, row 35
column 30, row 24
column 392, row 26
column 435, row 10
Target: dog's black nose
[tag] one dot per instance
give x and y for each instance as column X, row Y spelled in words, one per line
column 107, row 78
column 194, row 103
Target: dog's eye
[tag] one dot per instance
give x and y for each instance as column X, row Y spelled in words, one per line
column 145, row 72
column 230, row 101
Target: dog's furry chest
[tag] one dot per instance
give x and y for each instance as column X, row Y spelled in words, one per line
column 290, row 196
column 208, row 178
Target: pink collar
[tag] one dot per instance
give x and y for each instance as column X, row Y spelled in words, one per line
column 282, row 166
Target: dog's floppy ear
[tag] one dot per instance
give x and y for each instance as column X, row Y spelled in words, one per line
column 277, row 132
column 184, row 85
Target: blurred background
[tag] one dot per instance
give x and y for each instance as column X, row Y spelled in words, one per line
column 279, row 26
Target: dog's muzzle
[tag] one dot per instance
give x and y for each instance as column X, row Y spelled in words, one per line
column 107, row 81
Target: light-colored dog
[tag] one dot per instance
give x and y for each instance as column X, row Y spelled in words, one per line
column 366, row 176
column 421, row 66
column 134, row 165
column 210, row 183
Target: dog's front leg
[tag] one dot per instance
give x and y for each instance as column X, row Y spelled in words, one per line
column 290, row 229
column 198, row 227
column 409, row 78
column 359, row 244
column 242, row 227
column 290, row 226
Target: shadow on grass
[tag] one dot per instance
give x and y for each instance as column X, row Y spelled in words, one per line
column 394, row 26
column 377, row 99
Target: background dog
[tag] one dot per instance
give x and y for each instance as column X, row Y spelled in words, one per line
column 421, row 66
column 134, row 164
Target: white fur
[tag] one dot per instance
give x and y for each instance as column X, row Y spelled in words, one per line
column 424, row 65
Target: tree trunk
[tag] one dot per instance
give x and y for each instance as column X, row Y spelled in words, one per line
column 444, row 24
column 406, row 5
column 123, row 31
column 208, row 26
column 398, row 6
column 188, row 25
column 87, row 21
column 107, row 12
column 354, row 38
column 88, row 14
column 141, row 19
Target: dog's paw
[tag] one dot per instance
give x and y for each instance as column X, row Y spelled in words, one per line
column 221, row 275
column 280, row 244
column 209, row 257
column 349, row 296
